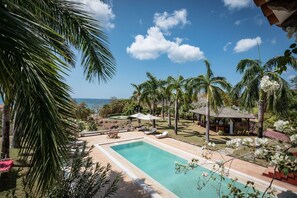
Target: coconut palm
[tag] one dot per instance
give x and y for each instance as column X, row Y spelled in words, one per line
column 213, row 87
column 137, row 94
column 35, row 50
column 176, row 86
column 249, row 91
column 151, row 94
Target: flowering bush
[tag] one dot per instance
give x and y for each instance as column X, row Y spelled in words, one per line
column 268, row 85
column 281, row 125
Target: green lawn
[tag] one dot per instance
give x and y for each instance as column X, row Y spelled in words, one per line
column 12, row 180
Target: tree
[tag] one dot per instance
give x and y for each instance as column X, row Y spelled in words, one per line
column 249, row 91
column 150, row 93
column 35, row 50
column 176, row 85
column 137, row 94
column 213, row 87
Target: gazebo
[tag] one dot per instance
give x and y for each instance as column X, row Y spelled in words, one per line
column 233, row 115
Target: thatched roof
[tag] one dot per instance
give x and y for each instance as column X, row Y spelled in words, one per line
column 225, row 112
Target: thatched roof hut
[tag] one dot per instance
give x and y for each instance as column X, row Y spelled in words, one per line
column 225, row 112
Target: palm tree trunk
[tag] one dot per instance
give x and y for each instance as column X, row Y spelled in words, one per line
column 16, row 139
column 5, row 131
column 169, row 116
column 176, row 116
column 139, row 122
column 162, row 108
column 154, row 113
column 260, row 118
column 207, row 121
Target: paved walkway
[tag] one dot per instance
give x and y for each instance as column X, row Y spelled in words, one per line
column 240, row 169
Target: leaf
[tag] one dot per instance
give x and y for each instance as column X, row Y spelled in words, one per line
column 287, row 53
column 293, row 45
column 294, row 50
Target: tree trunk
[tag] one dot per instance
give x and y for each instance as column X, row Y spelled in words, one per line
column 176, row 116
column 5, row 131
column 207, row 121
column 260, row 118
column 162, row 108
column 154, row 113
column 139, row 122
column 16, row 139
column 169, row 116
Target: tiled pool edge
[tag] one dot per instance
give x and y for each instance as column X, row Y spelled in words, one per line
column 231, row 170
column 135, row 179
column 149, row 189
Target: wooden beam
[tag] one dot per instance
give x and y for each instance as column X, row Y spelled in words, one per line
column 259, row 2
column 272, row 19
column 266, row 10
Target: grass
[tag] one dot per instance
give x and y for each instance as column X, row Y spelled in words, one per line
column 12, row 180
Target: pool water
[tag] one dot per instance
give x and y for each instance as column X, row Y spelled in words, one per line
column 160, row 165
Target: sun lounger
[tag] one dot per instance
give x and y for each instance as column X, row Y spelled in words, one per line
column 152, row 131
column 163, row 135
column 5, row 165
column 143, row 128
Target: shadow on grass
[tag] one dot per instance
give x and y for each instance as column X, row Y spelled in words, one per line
column 8, row 180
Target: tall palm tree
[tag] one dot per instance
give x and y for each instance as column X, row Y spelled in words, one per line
column 176, row 85
column 35, row 50
column 137, row 94
column 169, row 100
column 249, row 91
column 162, row 96
column 150, row 92
column 213, row 87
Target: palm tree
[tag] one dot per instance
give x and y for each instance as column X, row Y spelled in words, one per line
column 34, row 51
column 137, row 94
column 213, row 87
column 151, row 94
column 176, row 85
column 249, row 91
column 162, row 95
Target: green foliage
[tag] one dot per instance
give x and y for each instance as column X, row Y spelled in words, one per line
column 131, row 108
column 83, row 178
column 116, row 106
column 91, row 125
column 82, row 111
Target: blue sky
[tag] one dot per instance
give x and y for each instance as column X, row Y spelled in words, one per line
column 173, row 37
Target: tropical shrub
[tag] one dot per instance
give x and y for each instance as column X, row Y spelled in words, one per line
column 116, row 106
column 82, row 111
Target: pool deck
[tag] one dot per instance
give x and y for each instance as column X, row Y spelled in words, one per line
column 128, row 187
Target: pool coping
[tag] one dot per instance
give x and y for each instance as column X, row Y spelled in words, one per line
column 150, row 190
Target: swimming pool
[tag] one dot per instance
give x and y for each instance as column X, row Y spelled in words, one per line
column 160, row 165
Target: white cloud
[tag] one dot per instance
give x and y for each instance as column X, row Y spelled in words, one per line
column 184, row 53
column 102, row 11
column 246, row 44
column 236, row 4
column 149, row 47
column 225, row 47
column 291, row 77
column 154, row 44
column 167, row 21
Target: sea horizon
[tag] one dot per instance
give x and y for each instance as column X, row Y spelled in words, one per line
column 93, row 103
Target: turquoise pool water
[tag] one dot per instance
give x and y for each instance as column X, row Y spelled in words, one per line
column 160, row 165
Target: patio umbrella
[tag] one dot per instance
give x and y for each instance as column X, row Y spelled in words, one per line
column 137, row 115
column 149, row 117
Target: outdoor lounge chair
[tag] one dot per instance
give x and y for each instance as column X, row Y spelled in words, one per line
column 152, row 131
column 142, row 128
column 163, row 135
column 5, row 165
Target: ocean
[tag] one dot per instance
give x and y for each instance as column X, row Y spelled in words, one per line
column 90, row 102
